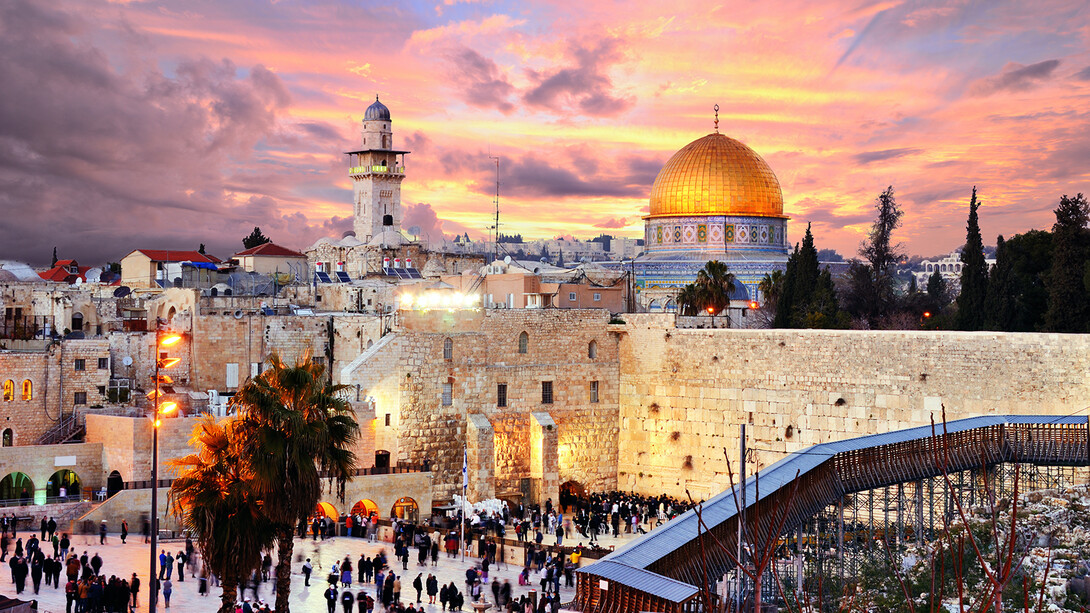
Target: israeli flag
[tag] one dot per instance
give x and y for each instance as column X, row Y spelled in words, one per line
column 465, row 468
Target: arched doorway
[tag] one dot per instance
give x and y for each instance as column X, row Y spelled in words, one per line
column 382, row 461
column 64, row 484
column 325, row 509
column 405, row 508
column 9, row 437
column 17, row 486
column 570, row 491
column 114, row 484
column 365, row 508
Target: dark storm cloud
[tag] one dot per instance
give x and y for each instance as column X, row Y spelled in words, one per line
column 867, row 157
column 584, row 87
column 1015, row 77
column 322, row 131
column 106, row 161
column 481, row 82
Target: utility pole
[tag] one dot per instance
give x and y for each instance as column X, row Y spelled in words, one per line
column 741, row 518
column 496, row 158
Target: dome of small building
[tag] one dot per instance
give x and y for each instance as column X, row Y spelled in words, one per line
column 716, row 175
column 377, row 112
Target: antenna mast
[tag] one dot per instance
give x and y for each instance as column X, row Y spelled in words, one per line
column 496, row 256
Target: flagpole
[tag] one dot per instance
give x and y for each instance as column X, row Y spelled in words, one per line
column 465, row 491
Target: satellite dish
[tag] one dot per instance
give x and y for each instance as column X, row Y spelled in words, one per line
column 506, row 259
column 414, row 230
column 79, row 281
column 127, row 361
column 122, row 291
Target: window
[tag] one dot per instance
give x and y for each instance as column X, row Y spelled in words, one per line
column 28, row 390
column 80, row 364
column 9, row 390
column 448, row 349
column 501, row 395
column 255, row 369
column 9, row 437
column 104, row 363
column 594, row 391
column 448, row 393
column 571, row 296
column 387, row 420
column 80, row 398
column 77, row 322
column 546, row 392
column 592, row 350
column 597, row 296
column 524, row 342
column 232, row 375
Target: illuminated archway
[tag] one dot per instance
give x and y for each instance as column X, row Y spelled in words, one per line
column 405, row 508
column 325, row 509
column 17, row 486
column 66, row 480
column 364, row 508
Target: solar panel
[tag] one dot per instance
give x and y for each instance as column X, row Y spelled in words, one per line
column 323, row 277
column 343, row 276
column 413, row 273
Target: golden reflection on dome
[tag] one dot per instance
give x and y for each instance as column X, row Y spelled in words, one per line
column 716, row 175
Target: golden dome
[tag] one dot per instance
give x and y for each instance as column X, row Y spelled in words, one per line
column 716, row 175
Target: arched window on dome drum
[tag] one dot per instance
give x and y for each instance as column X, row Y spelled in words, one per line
column 524, row 342
column 28, row 390
column 9, row 390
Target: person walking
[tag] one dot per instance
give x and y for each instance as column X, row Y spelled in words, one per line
column 347, row 601
column 432, row 585
column 124, row 530
column 331, row 599
column 307, row 569
column 168, row 589
column 418, row 585
column 102, row 533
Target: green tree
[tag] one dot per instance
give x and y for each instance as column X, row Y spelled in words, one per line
column 1000, row 304
column 54, row 262
column 215, row 498
column 937, row 292
column 871, row 287
column 298, row 429
column 717, row 284
column 808, row 298
column 972, row 314
column 255, row 238
column 201, row 248
column 1067, row 295
column 689, row 300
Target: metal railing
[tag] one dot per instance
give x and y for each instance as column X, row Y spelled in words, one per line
column 63, row 430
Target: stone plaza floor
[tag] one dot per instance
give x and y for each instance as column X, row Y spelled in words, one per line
column 123, row 560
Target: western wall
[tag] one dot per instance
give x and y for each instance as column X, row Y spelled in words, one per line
column 684, row 392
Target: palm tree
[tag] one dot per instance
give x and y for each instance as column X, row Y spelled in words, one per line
column 215, row 499
column 689, row 299
column 299, row 429
column 717, row 284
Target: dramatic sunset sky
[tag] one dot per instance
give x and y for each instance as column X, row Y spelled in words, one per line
column 165, row 124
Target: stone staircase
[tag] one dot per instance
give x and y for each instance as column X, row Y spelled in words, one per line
column 69, row 430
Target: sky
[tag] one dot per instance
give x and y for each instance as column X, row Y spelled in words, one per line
column 168, row 124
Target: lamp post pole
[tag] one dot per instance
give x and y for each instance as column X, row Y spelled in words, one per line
column 152, row 591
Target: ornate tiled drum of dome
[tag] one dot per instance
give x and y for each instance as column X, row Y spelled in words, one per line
column 716, row 199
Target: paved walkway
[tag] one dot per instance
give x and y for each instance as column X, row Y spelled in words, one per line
column 123, row 560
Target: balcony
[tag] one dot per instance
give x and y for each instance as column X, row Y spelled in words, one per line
column 372, row 170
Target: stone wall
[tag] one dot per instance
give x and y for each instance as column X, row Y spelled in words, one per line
column 39, row 462
column 54, row 382
column 684, row 392
column 406, row 373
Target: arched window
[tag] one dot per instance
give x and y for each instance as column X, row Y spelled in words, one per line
column 77, row 322
column 448, row 349
column 592, row 350
column 28, row 390
column 9, row 437
column 9, row 390
column 524, row 342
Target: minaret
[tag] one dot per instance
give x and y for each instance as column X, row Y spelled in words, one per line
column 377, row 171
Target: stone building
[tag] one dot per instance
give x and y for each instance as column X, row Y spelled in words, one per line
column 531, row 393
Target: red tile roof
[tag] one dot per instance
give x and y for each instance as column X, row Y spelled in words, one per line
column 60, row 273
column 163, row 255
column 271, row 249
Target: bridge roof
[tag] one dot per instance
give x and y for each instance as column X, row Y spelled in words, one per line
column 645, row 551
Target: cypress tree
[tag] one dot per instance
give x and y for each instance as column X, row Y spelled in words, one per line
column 1000, row 304
column 974, row 275
column 1067, row 296
column 785, row 306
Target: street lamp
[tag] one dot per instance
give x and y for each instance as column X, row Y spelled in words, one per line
column 163, row 339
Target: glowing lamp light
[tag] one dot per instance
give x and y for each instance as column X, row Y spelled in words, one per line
column 711, row 310
column 407, row 301
column 926, row 314
column 169, row 362
column 170, row 339
column 166, row 408
column 158, row 422
column 753, row 304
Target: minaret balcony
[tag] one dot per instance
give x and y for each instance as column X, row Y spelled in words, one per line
column 363, row 171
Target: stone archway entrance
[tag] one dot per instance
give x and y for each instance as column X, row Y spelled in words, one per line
column 405, row 508
column 364, row 508
column 114, row 484
column 569, row 492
